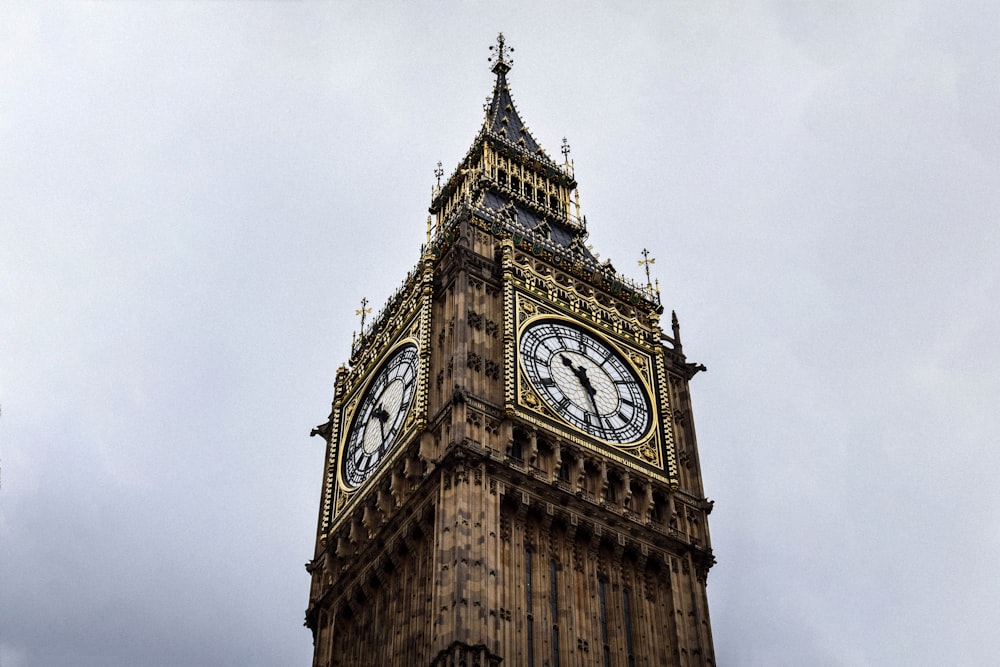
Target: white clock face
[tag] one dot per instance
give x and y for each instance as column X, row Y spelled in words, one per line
column 380, row 416
column 585, row 381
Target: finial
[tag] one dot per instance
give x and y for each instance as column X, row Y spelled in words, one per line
column 438, row 173
column 646, row 261
column 565, row 150
column 362, row 312
column 502, row 62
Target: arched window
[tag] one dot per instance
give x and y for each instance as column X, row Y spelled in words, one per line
column 627, row 611
column 530, row 615
column 603, row 599
column 554, row 602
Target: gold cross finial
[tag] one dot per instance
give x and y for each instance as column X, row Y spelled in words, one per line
column 646, row 261
column 362, row 311
column 568, row 168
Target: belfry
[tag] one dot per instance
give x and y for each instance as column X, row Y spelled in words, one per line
column 511, row 473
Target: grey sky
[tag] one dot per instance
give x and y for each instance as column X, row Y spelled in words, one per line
column 194, row 197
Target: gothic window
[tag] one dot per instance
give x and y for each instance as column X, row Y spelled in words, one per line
column 603, row 600
column 554, row 599
column 659, row 502
column 638, row 493
column 518, row 445
column 564, row 467
column 612, row 494
column 546, row 456
column 627, row 610
column 530, row 615
column 517, row 450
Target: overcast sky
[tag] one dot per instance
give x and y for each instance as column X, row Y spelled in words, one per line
column 194, row 197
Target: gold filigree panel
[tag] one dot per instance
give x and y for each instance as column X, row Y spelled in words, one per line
column 650, row 450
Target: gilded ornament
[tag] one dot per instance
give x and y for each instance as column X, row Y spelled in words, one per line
column 528, row 397
column 638, row 360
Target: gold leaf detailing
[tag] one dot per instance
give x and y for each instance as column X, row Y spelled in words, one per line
column 638, row 360
column 529, row 398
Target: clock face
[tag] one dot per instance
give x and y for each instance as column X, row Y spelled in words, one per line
column 379, row 416
column 585, row 381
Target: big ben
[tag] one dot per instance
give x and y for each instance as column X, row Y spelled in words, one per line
column 511, row 470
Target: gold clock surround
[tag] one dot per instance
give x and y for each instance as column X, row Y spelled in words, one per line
column 654, row 452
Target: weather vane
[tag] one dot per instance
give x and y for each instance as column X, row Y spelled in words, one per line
column 646, row 261
column 502, row 56
column 439, row 172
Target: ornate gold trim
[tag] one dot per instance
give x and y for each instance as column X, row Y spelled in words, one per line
column 343, row 497
column 653, row 452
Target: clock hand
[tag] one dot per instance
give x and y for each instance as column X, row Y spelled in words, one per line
column 581, row 375
column 591, row 392
column 382, row 416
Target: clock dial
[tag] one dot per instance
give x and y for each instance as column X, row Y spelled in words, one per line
column 379, row 416
column 585, row 381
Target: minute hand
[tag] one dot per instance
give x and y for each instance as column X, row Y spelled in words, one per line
column 581, row 375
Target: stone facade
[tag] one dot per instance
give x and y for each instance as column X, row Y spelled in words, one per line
column 493, row 530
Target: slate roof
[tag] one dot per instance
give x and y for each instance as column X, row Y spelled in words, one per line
column 539, row 217
column 502, row 119
column 499, row 204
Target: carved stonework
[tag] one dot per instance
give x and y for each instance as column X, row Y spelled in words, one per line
column 505, row 503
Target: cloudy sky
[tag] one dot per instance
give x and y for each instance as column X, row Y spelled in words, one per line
column 194, row 197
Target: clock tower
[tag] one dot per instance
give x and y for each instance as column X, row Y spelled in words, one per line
column 511, row 470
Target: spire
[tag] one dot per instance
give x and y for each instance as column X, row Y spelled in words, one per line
column 508, row 179
column 502, row 119
column 512, row 187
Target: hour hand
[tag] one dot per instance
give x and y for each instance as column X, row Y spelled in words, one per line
column 581, row 374
column 382, row 416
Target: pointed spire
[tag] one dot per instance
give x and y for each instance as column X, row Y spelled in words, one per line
column 502, row 119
